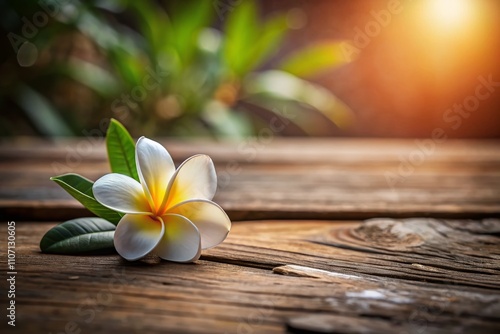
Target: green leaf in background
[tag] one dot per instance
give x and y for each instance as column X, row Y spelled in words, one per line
column 41, row 113
column 249, row 42
column 268, row 88
column 92, row 76
column 272, row 33
column 80, row 235
column 225, row 122
column 121, row 150
column 187, row 23
column 314, row 59
column 241, row 31
column 81, row 189
column 154, row 24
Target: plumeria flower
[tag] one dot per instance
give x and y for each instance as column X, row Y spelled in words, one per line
column 170, row 211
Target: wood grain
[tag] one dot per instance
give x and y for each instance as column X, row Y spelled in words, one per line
column 278, row 179
column 427, row 273
column 383, row 275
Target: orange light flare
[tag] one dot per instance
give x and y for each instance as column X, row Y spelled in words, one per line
column 453, row 31
column 450, row 14
column 454, row 43
column 459, row 18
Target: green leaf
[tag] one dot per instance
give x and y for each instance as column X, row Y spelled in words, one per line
column 41, row 113
column 92, row 76
column 226, row 122
column 268, row 88
column 249, row 42
column 81, row 189
column 121, row 150
column 80, row 235
column 268, row 41
column 128, row 66
column 154, row 24
column 314, row 59
column 187, row 22
column 241, row 31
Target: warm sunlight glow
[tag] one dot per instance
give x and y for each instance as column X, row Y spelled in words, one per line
column 450, row 13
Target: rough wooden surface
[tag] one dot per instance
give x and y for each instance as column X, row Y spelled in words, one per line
column 427, row 273
column 381, row 276
column 277, row 179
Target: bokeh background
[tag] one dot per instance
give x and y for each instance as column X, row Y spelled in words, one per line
column 230, row 68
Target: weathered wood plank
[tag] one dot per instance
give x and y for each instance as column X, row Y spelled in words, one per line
column 297, row 179
column 393, row 276
column 412, row 249
column 275, row 150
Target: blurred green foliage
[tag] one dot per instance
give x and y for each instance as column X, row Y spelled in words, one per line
column 160, row 68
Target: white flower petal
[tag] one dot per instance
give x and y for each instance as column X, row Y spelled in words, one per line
column 137, row 235
column 181, row 241
column 210, row 219
column 155, row 168
column 194, row 179
column 121, row 193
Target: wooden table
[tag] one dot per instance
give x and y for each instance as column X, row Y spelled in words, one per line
column 329, row 236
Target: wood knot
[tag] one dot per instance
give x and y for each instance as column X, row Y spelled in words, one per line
column 389, row 234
